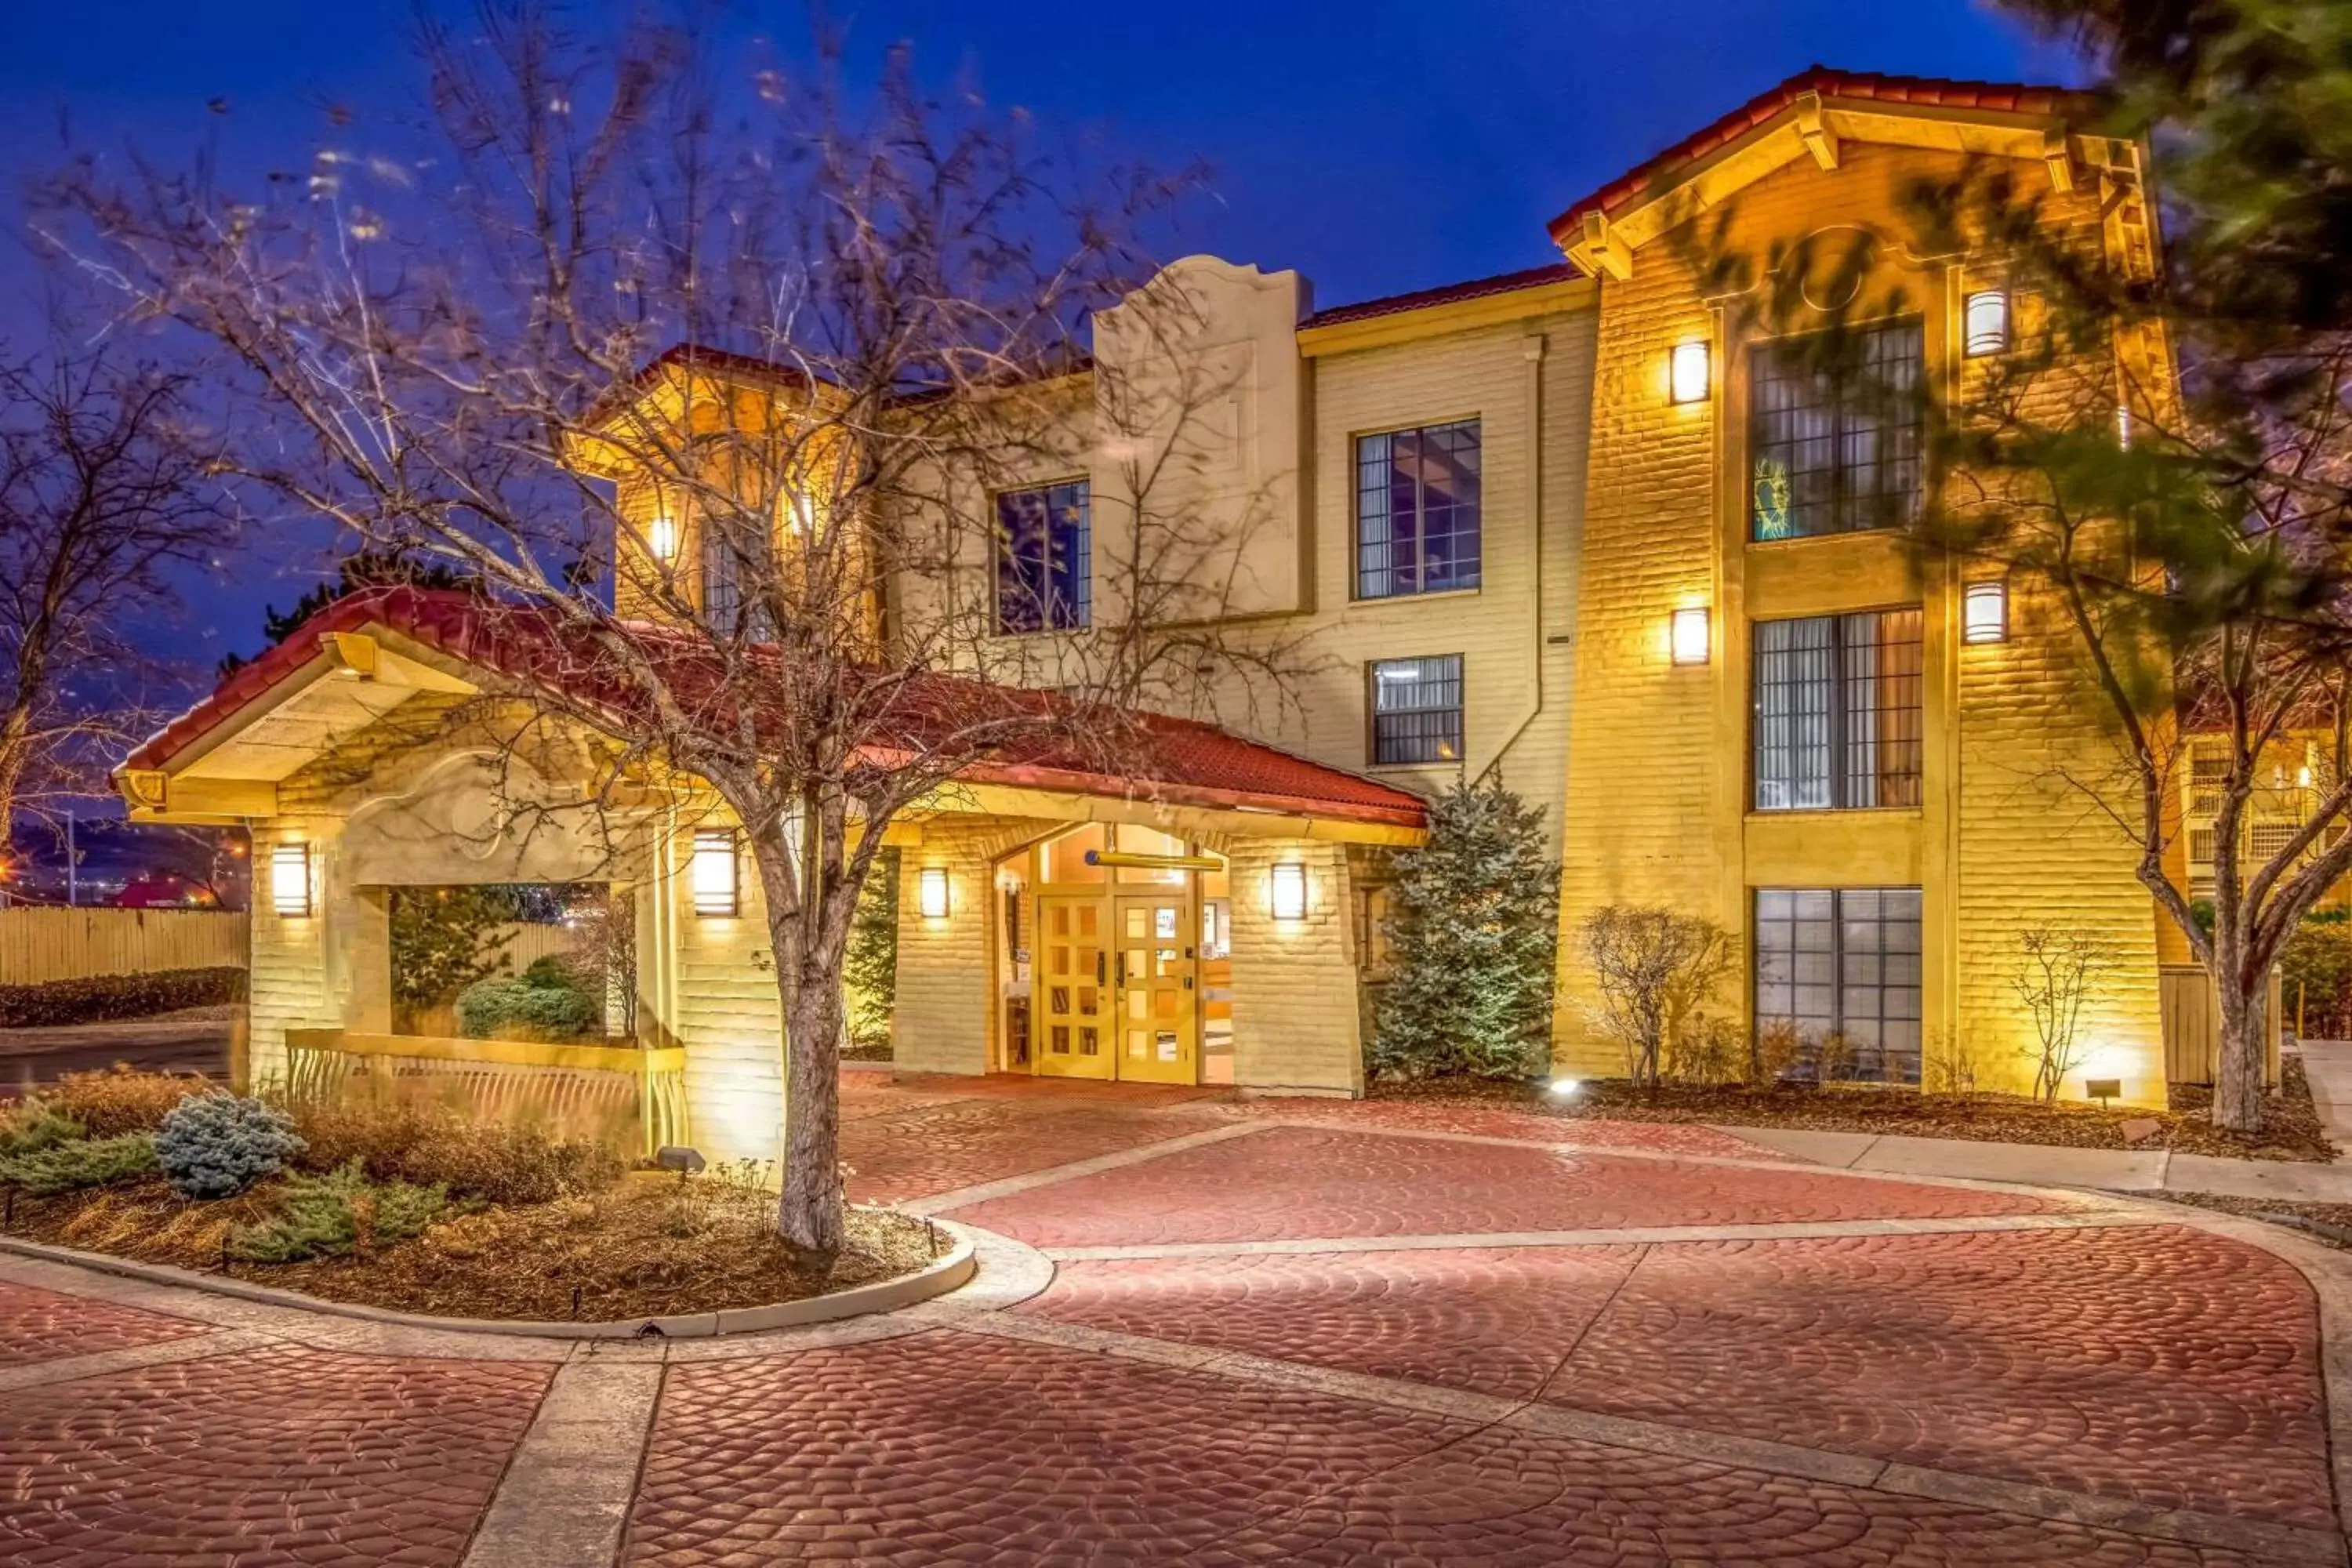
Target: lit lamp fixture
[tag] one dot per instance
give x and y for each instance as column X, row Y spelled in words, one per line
column 931, row 892
column 290, row 881
column 1984, row 328
column 1984, row 612
column 715, row 889
column 2104, row 1089
column 661, row 537
column 1686, row 373
column 1690, row 635
column 1289, row 891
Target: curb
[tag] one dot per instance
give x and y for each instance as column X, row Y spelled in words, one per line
column 943, row 1275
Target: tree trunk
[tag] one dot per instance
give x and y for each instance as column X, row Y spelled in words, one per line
column 809, row 1214
column 2238, row 1104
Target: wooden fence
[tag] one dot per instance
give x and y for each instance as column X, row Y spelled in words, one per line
column 2192, row 1025
column 632, row 1099
column 43, row 944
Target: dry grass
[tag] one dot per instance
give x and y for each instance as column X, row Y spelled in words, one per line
column 121, row 1100
column 430, row 1146
column 2292, row 1132
column 645, row 1248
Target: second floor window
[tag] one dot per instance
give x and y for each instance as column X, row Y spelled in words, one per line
column 1833, row 431
column 1417, row 510
column 1045, row 559
column 1417, row 709
column 1838, row 720
column 737, row 564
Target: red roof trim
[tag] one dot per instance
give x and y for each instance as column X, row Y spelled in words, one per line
column 1422, row 299
column 1193, row 763
column 1930, row 92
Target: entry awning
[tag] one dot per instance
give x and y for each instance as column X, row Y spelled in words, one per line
column 366, row 655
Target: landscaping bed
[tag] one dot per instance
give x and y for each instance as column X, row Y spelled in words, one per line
column 2293, row 1134
column 2329, row 1225
column 395, row 1207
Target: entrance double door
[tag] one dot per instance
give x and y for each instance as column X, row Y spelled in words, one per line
column 1119, row 989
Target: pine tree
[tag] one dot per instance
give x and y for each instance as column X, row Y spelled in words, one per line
column 1473, row 937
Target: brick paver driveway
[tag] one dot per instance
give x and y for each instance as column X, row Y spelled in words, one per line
column 1213, row 1331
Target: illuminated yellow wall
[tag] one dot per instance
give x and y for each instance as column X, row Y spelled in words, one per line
column 1657, row 777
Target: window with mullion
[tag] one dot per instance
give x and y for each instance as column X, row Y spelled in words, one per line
column 738, row 561
column 1045, row 559
column 1835, row 431
column 1838, row 720
column 1844, row 961
column 1417, row 709
column 1417, row 510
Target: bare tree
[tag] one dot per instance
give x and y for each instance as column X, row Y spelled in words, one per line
column 758, row 353
column 1653, row 969
column 2056, row 974
column 104, row 501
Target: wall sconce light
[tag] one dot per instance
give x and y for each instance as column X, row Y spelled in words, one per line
column 661, row 537
column 1289, row 891
column 931, row 892
column 1984, row 613
column 1984, row 323
column 1686, row 373
column 1690, row 635
column 290, row 881
column 716, row 888
column 2303, row 776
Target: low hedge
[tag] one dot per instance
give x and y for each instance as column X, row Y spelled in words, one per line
column 102, row 997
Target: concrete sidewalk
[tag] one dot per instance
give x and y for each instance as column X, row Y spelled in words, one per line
column 2039, row 1164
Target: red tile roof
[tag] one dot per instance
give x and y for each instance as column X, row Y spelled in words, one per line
column 1150, row 757
column 1477, row 289
column 1927, row 91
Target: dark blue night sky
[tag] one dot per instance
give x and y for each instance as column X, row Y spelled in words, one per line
column 1376, row 146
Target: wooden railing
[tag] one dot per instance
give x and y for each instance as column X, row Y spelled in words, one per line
column 632, row 1099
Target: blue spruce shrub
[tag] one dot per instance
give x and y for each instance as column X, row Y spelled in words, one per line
column 217, row 1145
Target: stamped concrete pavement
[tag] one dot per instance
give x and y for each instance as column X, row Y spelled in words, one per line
column 1215, row 1331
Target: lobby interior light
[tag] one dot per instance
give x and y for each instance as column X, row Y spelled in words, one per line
column 1984, row 613
column 290, row 881
column 1687, row 370
column 1289, row 891
column 931, row 892
column 1690, row 634
column 716, row 890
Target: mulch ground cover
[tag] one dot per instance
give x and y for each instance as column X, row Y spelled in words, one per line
column 648, row 1247
column 2292, row 1130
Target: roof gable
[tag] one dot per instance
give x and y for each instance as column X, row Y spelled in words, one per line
column 1810, row 115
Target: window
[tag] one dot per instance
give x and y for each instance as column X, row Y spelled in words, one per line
column 1837, row 711
column 1417, row 709
column 1835, row 431
column 1842, row 965
column 2201, row 846
column 730, row 560
column 1045, row 559
column 1417, row 510
column 2265, row 841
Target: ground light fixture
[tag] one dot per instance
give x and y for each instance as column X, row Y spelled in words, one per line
column 1984, row 613
column 2104, row 1089
column 1289, row 890
column 1690, row 635
column 1686, row 373
column 1564, row 1088
column 931, row 892
column 716, row 890
column 290, row 881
